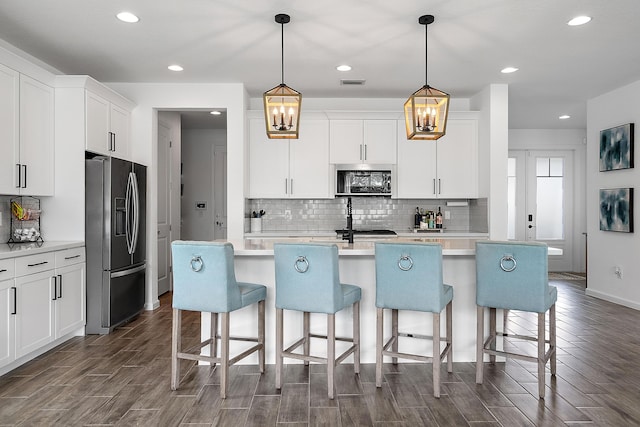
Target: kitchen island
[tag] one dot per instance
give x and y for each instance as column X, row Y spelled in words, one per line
column 254, row 263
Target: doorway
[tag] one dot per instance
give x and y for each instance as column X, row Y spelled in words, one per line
column 191, row 185
column 540, row 198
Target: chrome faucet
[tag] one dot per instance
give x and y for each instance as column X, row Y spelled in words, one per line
column 348, row 233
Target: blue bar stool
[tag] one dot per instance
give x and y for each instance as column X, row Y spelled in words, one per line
column 409, row 277
column 204, row 280
column 308, row 280
column 514, row 276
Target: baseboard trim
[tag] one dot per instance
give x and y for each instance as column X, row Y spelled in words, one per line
column 612, row 298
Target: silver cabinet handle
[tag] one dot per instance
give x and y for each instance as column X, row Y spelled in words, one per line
column 360, row 151
column 19, row 182
column 54, row 282
column 25, row 176
column 286, row 186
column 439, row 186
column 434, row 186
column 365, row 151
column 60, row 285
column 291, row 186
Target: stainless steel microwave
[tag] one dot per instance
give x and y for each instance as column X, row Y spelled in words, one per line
column 364, row 180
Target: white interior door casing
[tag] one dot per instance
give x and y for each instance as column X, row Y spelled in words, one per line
column 164, row 207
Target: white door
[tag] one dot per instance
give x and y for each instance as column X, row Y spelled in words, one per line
column 541, row 201
column 34, row 312
column 164, row 206
column 220, row 192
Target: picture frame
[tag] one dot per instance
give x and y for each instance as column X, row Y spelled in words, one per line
column 616, row 210
column 616, row 148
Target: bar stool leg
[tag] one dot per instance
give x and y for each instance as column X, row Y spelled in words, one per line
column 175, row 348
column 479, row 344
column 306, row 320
column 331, row 353
column 552, row 337
column 379, row 344
column 261, row 352
column 224, row 355
column 394, row 334
column 492, row 332
column 436, row 354
column 449, row 336
column 279, row 348
column 356, row 337
column 214, row 336
column 541, row 362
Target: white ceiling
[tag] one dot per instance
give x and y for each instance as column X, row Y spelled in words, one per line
column 238, row 41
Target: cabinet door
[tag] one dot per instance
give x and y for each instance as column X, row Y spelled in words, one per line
column 268, row 164
column 380, row 137
column 34, row 312
column 345, row 141
column 36, row 137
column 309, row 161
column 70, row 299
column 9, row 134
column 7, row 322
column 458, row 160
column 97, row 125
column 119, row 127
column 416, row 176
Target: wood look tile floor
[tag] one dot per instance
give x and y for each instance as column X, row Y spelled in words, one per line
column 123, row 379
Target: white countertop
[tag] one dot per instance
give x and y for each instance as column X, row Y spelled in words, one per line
column 332, row 233
column 12, row 250
column 361, row 247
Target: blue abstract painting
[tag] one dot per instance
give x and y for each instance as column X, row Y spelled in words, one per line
column 616, row 148
column 616, row 210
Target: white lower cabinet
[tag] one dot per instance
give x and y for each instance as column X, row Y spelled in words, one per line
column 7, row 322
column 42, row 302
column 34, row 312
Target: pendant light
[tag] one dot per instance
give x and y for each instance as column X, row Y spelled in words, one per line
column 426, row 110
column 282, row 104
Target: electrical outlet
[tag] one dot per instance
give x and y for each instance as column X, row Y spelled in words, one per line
column 618, row 271
column 287, row 214
column 447, row 214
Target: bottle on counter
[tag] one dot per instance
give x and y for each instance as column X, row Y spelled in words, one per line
column 417, row 218
column 431, row 219
column 439, row 218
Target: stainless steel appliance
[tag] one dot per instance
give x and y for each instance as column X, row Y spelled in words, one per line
column 364, row 180
column 115, row 197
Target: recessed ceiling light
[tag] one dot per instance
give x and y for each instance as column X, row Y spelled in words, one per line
column 215, row 113
column 508, row 70
column 175, row 67
column 579, row 20
column 564, row 117
column 127, row 17
column 343, row 67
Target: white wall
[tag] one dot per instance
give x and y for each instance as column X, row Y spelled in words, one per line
column 151, row 97
column 563, row 139
column 609, row 249
column 197, row 178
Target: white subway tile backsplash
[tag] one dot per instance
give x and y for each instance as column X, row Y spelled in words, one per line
column 368, row 213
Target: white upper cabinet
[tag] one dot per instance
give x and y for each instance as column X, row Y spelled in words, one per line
column 36, row 138
column 443, row 169
column 363, row 141
column 26, row 135
column 289, row 168
column 9, row 130
column 107, row 127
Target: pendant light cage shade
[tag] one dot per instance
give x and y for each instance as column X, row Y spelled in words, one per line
column 425, row 113
column 426, row 110
column 282, row 112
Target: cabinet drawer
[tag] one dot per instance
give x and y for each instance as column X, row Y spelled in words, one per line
column 69, row 257
column 7, row 269
column 34, row 263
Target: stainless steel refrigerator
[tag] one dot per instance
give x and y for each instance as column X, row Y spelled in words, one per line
column 115, row 197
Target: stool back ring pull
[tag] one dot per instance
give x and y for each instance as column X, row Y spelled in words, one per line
column 204, row 280
column 409, row 277
column 313, row 286
column 523, row 285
